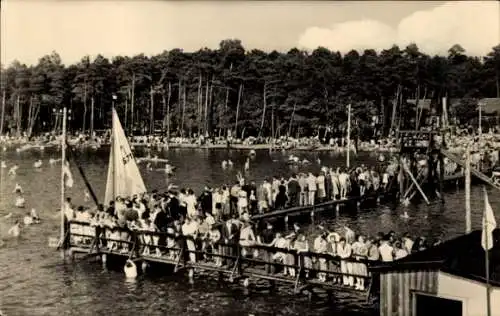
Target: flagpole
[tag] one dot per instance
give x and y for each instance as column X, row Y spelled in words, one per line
column 113, row 144
column 468, row 225
column 487, row 255
column 348, row 135
column 63, row 162
column 480, row 119
column 488, row 298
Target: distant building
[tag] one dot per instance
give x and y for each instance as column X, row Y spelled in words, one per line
column 490, row 106
column 423, row 104
column 445, row 280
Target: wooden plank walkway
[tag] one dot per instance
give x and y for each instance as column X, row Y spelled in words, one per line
column 234, row 265
column 298, row 210
column 330, row 205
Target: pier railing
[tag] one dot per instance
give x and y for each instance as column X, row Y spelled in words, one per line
column 300, row 268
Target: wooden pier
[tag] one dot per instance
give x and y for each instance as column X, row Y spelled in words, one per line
column 231, row 261
column 355, row 201
column 351, row 202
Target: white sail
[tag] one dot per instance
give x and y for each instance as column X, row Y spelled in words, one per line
column 124, row 178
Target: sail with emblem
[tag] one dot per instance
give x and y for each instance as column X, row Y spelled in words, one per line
column 124, row 178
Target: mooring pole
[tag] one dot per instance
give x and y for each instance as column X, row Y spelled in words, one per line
column 63, row 166
column 468, row 225
column 348, row 135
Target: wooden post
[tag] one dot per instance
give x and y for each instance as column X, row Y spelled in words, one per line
column 3, row 112
column 468, row 225
column 405, row 166
column 445, row 113
column 63, row 166
column 348, row 135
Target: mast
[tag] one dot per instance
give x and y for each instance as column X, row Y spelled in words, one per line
column 114, row 97
column 63, row 162
column 348, row 134
column 112, row 151
column 468, row 225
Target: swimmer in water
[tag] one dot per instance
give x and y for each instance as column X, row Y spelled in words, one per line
column 34, row 216
column 18, row 189
column 15, row 230
column 27, row 220
column 86, row 196
column 12, row 170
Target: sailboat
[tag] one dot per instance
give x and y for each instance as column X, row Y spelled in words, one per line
column 124, row 178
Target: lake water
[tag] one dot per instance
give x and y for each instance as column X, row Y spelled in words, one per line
column 33, row 280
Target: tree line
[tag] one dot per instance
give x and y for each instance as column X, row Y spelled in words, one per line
column 246, row 92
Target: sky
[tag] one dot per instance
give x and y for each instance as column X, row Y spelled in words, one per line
column 75, row 28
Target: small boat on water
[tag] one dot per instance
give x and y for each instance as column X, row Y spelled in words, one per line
column 124, row 177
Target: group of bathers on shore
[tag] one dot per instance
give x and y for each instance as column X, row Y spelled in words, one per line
column 219, row 220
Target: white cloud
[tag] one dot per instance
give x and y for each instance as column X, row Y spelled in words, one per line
column 474, row 25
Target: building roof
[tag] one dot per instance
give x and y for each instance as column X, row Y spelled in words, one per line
column 490, row 105
column 462, row 256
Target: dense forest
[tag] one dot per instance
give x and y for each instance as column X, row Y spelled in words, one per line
column 250, row 92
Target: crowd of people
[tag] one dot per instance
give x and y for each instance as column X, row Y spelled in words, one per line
column 218, row 223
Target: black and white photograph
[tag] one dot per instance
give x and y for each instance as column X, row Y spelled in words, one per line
column 249, row 158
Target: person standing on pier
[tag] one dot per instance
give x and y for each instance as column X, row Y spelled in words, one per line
column 311, row 188
column 206, row 200
column 266, row 237
column 281, row 197
column 385, row 249
column 233, row 199
column 182, row 203
column 217, row 201
column 293, row 191
column 275, row 185
column 328, row 184
column 191, row 203
column 321, row 246
column 360, row 252
column 334, row 175
column 320, row 181
column 344, row 184
column 262, row 205
column 372, row 246
column 303, row 189
column 344, row 251
column 190, row 230
column 266, row 186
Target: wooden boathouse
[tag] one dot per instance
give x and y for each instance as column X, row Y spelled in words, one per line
column 446, row 280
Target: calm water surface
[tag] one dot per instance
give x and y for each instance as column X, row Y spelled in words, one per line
column 33, row 281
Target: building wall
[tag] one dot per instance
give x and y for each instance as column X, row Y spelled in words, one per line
column 471, row 293
column 397, row 288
